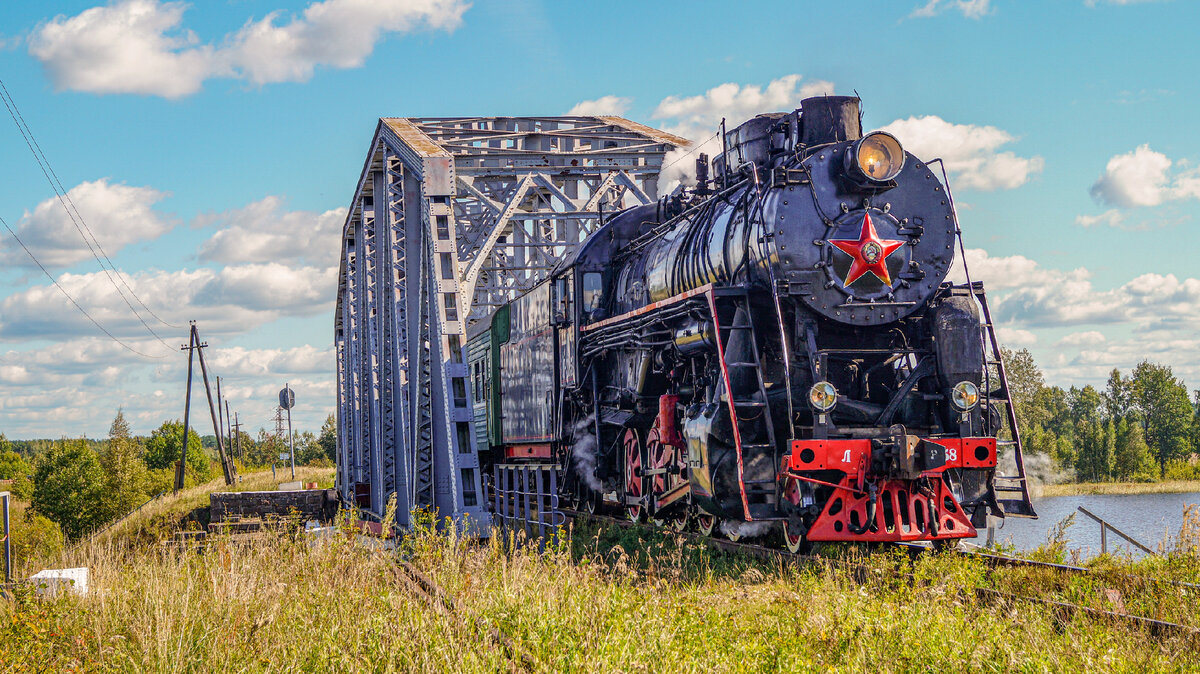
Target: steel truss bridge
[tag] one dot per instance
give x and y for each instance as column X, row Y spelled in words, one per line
column 452, row 217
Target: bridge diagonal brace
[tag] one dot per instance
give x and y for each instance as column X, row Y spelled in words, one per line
column 471, row 277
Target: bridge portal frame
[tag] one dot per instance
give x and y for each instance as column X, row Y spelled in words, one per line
column 452, row 217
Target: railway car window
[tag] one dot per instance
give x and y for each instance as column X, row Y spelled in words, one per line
column 593, row 291
column 562, row 301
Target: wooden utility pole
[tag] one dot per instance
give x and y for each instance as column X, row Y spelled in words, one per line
column 229, row 432
column 220, row 412
column 237, row 434
column 212, row 410
column 190, row 347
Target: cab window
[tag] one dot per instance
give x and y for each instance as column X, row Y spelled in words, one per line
column 593, row 291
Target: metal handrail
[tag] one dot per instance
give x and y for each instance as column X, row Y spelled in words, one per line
column 5, row 499
column 1105, row 526
column 115, row 522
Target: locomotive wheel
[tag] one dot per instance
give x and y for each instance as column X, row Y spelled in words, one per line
column 675, row 523
column 797, row 545
column 633, row 473
column 661, row 456
column 679, row 522
column 706, row 524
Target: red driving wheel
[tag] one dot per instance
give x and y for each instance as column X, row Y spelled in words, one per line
column 633, row 473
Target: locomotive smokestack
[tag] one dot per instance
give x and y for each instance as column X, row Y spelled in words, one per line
column 828, row 119
column 702, row 175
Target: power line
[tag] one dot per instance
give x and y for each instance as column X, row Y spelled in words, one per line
column 76, row 217
column 72, row 299
column 63, row 193
column 689, row 153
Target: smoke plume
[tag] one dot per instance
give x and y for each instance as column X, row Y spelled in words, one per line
column 583, row 454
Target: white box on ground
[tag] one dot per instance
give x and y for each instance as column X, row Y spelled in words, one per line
column 51, row 582
column 291, row 486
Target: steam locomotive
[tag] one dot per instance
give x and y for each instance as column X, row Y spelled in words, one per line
column 776, row 345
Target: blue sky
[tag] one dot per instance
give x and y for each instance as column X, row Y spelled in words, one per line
column 213, row 147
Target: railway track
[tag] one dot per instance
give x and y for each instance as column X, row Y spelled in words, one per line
column 429, row 592
column 1004, row 561
column 984, row 594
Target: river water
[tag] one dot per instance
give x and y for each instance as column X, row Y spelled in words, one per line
column 1145, row 517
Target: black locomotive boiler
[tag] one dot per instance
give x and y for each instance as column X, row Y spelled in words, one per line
column 777, row 344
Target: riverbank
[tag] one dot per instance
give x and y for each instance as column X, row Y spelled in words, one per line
column 1089, row 488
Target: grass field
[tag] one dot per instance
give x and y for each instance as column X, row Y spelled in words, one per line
column 600, row 600
column 1079, row 488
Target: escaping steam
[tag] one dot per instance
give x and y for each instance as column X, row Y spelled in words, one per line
column 745, row 529
column 1040, row 469
column 583, row 454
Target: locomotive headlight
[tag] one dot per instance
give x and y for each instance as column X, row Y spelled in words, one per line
column 822, row 396
column 878, row 156
column 964, row 396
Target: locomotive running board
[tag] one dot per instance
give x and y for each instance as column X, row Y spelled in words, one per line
column 1016, row 485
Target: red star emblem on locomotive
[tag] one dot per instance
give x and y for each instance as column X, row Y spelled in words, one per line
column 870, row 253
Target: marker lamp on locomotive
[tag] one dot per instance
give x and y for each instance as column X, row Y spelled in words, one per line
column 878, row 157
column 964, row 396
column 822, row 396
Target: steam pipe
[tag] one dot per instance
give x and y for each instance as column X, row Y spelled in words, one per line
column 872, row 498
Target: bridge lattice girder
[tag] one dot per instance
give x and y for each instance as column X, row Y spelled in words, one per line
column 451, row 218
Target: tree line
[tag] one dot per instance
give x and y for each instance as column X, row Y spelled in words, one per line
column 1141, row 427
column 79, row 485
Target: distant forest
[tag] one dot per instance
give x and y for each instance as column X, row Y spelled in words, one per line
column 1142, row 426
column 75, row 486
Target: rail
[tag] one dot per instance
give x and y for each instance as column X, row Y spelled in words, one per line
column 861, row 572
column 1105, row 526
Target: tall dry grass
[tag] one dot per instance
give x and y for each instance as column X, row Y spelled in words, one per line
column 597, row 600
column 1090, row 488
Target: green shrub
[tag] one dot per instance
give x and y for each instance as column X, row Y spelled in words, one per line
column 35, row 541
column 70, row 488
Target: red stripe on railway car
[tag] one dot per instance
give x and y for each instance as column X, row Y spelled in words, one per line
column 534, row 451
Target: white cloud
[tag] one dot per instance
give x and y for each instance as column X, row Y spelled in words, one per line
column 128, row 47
column 605, row 105
column 698, row 117
column 231, row 300
column 139, row 46
column 1085, row 338
column 1142, row 178
column 1161, row 310
column 117, row 214
column 337, row 33
column 971, row 152
column 1015, row 337
column 77, row 386
column 1093, row 3
column 240, row 361
column 1112, row 217
column 997, row 273
column 263, row 232
column 972, row 9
